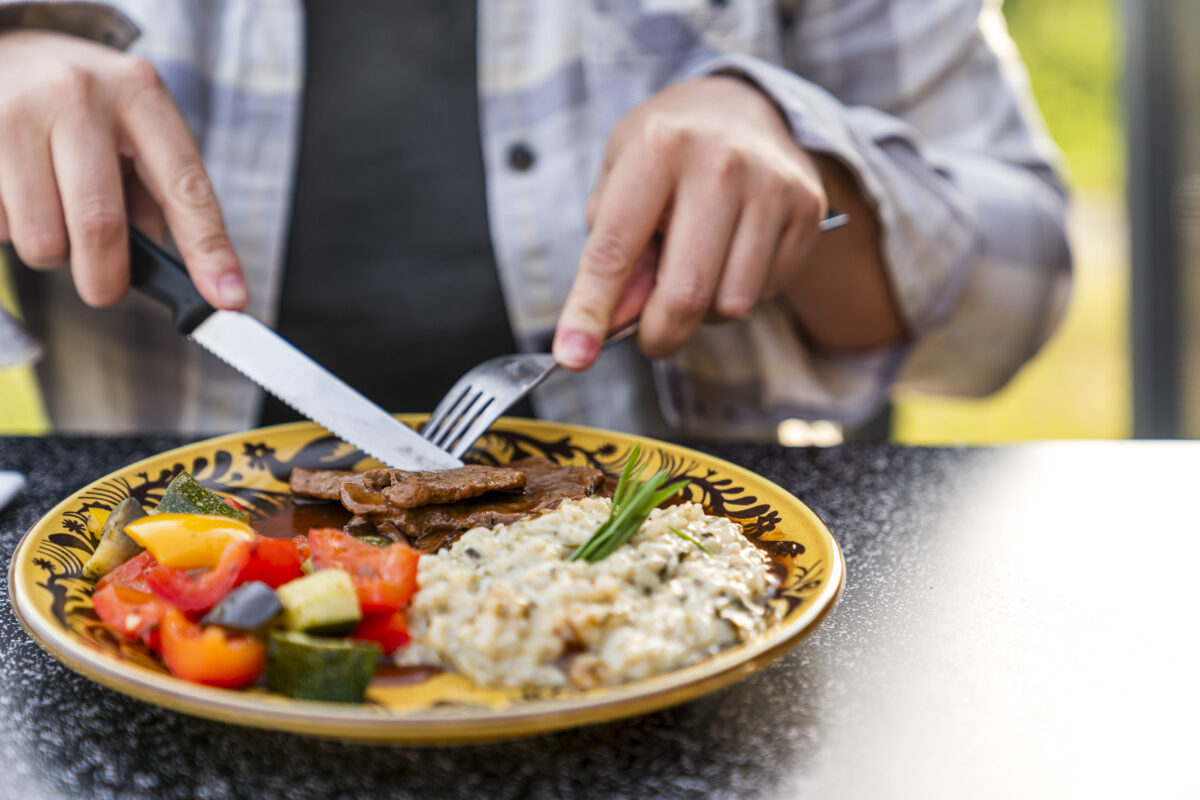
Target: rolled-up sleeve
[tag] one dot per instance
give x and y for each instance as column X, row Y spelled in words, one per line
column 927, row 104
column 100, row 22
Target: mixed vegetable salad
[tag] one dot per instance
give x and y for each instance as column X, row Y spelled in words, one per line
column 310, row 616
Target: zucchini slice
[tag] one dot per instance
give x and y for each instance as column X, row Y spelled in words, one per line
column 323, row 603
column 335, row 670
column 186, row 495
column 115, row 546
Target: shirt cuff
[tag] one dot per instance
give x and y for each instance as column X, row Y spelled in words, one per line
column 99, row 22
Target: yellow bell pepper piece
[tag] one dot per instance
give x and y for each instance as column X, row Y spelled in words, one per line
column 187, row 541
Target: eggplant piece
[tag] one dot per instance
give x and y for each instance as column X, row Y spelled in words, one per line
column 115, row 546
column 250, row 607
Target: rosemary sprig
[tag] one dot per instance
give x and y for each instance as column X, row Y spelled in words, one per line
column 685, row 537
column 631, row 504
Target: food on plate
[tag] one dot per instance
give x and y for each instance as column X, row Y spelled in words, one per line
column 321, row 603
column 210, row 594
column 186, row 495
column 190, row 541
column 432, row 525
column 209, row 654
column 507, row 606
column 533, row 575
column 315, row 668
column 115, row 546
column 249, row 608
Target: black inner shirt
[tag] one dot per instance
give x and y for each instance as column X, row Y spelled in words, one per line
column 390, row 280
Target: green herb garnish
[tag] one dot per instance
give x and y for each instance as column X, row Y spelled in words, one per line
column 684, row 536
column 631, row 504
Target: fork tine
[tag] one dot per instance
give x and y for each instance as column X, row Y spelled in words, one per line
column 486, row 417
column 461, row 421
column 445, row 413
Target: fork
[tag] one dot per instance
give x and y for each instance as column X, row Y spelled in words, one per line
column 489, row 389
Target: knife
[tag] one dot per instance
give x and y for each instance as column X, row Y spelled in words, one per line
column 270, row 361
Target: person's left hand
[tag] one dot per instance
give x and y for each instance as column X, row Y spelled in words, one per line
column 710, row 165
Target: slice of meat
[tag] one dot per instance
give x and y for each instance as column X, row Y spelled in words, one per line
column 359, row 498
column 323, row 483
column 378, row 479
column 546, row 485
column 414, row 489
column 382, row 491
column 369, row 496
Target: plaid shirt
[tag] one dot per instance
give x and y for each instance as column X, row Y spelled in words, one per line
column 925, row 101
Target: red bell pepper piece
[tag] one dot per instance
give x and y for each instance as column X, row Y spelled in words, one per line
column 234, row 504
column 133, row 614
column 387, row 628
column 131, row 574
column 208, row 654
column 273, row 561
column 200, row 589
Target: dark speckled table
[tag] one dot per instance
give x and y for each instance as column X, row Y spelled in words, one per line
column 1017, row 622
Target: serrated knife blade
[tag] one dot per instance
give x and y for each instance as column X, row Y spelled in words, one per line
column 269, row 360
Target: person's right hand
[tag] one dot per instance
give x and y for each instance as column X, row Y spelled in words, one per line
column 90, row 140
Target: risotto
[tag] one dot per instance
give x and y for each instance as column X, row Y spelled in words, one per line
column 505, row 606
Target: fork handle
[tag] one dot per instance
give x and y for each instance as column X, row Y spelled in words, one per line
column 624, row 333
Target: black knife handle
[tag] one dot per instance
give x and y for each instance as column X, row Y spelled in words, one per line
column 156, row 273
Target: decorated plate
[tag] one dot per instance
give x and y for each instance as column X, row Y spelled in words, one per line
column 53, row 601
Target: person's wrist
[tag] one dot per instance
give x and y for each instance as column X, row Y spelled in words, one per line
column 753, row 89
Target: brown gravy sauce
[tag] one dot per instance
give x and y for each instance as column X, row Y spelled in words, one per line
column 297, row 516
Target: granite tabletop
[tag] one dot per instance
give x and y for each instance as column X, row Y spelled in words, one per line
column 1016, row 621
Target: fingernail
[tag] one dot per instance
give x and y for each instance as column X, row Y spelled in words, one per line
column 575, row 349
column 231, row 289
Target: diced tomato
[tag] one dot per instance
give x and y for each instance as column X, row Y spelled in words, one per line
column 387, row 628
column 200, row 589
column 384, row 577
column 131, row 574
column 133, row 614
column 273, row 561
column 208, row 654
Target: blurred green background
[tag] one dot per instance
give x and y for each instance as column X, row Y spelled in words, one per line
column 1078, row 387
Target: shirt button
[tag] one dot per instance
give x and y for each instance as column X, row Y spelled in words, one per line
column 520, row 157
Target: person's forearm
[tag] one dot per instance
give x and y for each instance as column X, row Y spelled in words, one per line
column 842, row 300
